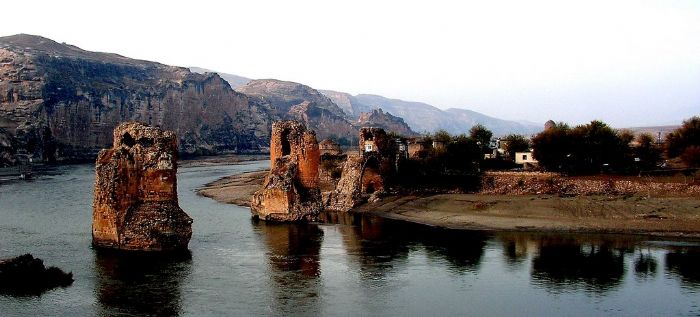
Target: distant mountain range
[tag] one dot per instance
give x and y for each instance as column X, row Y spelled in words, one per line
column 421, row 117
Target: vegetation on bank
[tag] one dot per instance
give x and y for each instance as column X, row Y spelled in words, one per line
column 585, row 149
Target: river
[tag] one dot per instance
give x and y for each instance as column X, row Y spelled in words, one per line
column 346, row 265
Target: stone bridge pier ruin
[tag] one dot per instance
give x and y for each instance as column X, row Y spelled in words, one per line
column 364, row 174
column 135, row 203
column 291, row 190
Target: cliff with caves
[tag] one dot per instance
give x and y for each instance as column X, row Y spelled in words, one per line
column 135, row 203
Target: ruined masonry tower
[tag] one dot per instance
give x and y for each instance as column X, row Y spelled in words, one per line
column 135, row 205
column 291, row 189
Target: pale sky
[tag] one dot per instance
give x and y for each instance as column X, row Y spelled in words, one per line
column 628, row 63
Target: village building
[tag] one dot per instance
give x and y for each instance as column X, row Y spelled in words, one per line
column 526, row 159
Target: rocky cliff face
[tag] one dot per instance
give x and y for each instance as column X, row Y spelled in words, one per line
column 62, row 103
column 135, row 204
column 309, row 106
column 283, row 95
column 379, row 119
column 325, row 123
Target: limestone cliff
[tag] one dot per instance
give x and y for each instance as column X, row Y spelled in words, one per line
column 283, row 95
column 323, row 122
column 291, row 190
column 60, row 102
column 380, row 119
column 135, row 203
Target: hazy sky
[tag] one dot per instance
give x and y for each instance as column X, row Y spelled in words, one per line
column 628, row 63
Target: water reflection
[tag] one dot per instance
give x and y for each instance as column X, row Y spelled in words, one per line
column 381, row 244
column 568, row 265
column 645, row 266
column 685, row 264
column 140, row 284
column 293, row 252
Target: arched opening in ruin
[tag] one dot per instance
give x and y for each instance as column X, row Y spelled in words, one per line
column 371, row 178
column 128, row 140
column 286, row 147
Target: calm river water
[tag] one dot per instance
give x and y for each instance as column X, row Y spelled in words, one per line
column 352, row 265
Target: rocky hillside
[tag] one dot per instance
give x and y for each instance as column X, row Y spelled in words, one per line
column 379, row 118
column 283, row 95
column 423, row 117
column 234, row 80
column 60, row 102
column 300, row 102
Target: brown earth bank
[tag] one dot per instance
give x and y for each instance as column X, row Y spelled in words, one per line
column 592, row 204
column 667, row 216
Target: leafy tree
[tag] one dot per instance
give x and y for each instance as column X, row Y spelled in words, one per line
column 481, row 135
column 442, row 136
column 647, row 151
column 552, row 147
column 586, row 148
column 596, row 144
column 691, row 156
column 688, row 135
column 515, row 143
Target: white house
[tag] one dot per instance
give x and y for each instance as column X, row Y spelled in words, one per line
column 525, row 158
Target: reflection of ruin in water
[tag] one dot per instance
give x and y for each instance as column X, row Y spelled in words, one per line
column 645, row 266
column 135, row 283
column 293, row 252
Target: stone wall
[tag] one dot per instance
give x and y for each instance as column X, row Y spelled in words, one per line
column 135, row 203
column 291, row 189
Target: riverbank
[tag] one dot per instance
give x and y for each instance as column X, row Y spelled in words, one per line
column 663, row 213
column 235, row 189
column 669, row 216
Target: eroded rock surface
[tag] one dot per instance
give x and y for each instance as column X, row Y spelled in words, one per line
column 135, row 205
column 291, row 189
column 365, row 174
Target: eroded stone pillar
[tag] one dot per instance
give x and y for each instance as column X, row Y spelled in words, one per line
column 291, row 189
column 135, row 204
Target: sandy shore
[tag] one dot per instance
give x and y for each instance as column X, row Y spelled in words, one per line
column 674, row 216
column 637, row 214
column 221, row 159
column 235, row 189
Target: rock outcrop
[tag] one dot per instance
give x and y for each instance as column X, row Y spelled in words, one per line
column 291, row 189
column 365, row 174
column 62, row 103
column 379, row 119
column 26, row 275
column 135, row 205
column 348, row 192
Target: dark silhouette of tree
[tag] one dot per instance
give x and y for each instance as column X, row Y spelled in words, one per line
column 684, row 142
column 587, row 148
column 515, row 143
column 552, row 147
column 481, row 135
column 647, row 151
